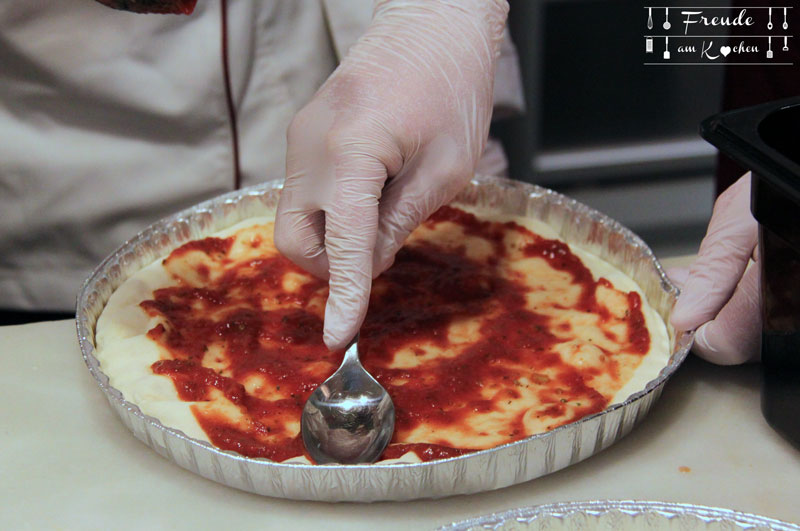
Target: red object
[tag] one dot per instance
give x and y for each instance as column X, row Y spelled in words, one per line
column 173, row 7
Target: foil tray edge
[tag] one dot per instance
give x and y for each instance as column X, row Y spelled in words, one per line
column 490, row 469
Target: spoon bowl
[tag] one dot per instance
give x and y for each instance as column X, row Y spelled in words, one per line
column 349, row 418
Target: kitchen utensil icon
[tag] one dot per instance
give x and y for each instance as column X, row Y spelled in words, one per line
column 769, row 24
column 667, row 25
column 769, row 50
column 666, row 48
column 650, row 18
column 648, row 45
column 785, row 24
column 785, row 44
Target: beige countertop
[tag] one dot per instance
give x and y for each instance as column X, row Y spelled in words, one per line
column 67, row 462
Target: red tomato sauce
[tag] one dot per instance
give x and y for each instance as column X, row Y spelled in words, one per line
column 428, row 288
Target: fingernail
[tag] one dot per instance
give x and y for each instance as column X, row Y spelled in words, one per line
column 332, row 337
column 701, row 341
column 336, row 333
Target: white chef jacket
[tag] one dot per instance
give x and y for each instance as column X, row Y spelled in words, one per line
column 111, row 120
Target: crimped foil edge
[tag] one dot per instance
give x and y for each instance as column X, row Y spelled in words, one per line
column 612, row 514
column 489, row 469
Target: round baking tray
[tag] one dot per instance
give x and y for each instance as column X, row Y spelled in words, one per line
column 613, row 515
column 480, row 471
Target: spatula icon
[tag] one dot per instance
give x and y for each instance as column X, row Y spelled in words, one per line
column 666, row 48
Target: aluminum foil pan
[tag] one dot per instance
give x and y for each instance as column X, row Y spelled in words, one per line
column 615, row 515
column 480, row 471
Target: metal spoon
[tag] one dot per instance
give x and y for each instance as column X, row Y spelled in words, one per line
column 349, row 418
column 667, row 25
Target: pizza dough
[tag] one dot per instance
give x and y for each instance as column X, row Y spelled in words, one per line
column 486, row 330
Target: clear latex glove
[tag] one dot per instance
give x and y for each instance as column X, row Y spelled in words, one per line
column 493, row 161
column 391, row 136
column 721, row 293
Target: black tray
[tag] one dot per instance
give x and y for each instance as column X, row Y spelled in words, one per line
column 766, row 139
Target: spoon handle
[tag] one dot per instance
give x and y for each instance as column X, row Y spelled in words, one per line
column 351, row 351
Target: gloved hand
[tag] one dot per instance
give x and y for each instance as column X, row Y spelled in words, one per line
column 721, row 295
column 392, row 135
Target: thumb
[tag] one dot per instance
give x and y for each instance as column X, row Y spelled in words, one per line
column 433, row 178
column 733, row 336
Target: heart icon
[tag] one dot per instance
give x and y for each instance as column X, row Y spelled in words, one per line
column 725, row 50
